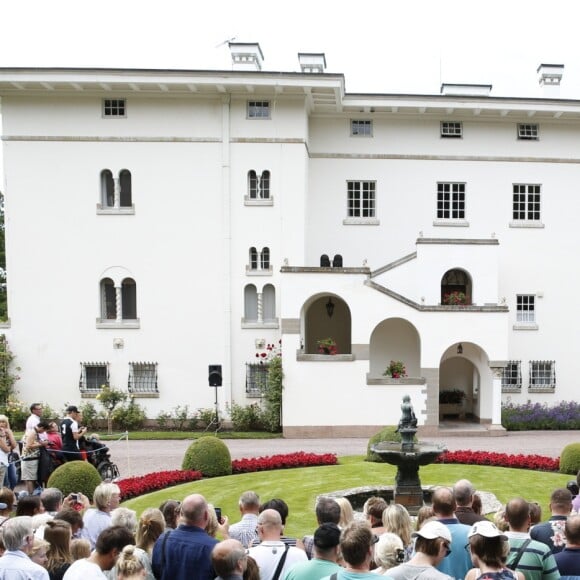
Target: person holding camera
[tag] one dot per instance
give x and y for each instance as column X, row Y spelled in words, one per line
column 71, row 432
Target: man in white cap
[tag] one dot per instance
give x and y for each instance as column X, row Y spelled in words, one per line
column 432, row 545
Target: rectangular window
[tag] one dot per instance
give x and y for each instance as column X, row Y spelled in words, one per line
column 256, row 378
column 526, row 308
column 361, row 199
column 361, row 128
column 451, row 201
column 528, row 131
column 451, row 129
column 542, row 375
column 114, row 107
column 258, row 109
column 511, row 380
column 142, row 377
column 526, row 202
column 94, row 376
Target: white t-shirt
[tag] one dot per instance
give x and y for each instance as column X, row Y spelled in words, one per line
column 84, row 570
column 268, row 554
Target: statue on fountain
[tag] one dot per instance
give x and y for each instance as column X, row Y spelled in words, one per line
column 408, row 419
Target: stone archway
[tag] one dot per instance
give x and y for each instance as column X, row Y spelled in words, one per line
column 327, row 316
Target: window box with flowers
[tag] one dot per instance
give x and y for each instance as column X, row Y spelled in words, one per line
column 455, row 298
column 396, row 370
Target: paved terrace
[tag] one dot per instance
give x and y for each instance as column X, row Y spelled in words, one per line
column 141, row 457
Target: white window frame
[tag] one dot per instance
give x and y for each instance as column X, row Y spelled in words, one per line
column 361, row 128
column 451, row 129
column 86, row 383
column 511, row 379
column 142, row 378
column 528, row 132
column 451, row 199
column 527, row 205
column 114, row 108
column 359, row 192
column 526, row 308
column 259, row 188
column 542, row 376
column 258, row 109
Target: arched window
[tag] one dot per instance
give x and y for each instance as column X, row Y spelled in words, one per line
column 250, row 303
column 129, row 299
column 265, row 259
column 337, row 261
column 125, row 184
column 324, row 261
column 107, row 189
column 108, row 300
column 253, row 258
column 269, row 303
column 265, row 185
column 456, row 288
column 252, row 185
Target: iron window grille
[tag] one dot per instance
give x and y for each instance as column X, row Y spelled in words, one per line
column 542, row 375
column 94, row 376
column 511, row 380
column 256, row 378
column 142, row 377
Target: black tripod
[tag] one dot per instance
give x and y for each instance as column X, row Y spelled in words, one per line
column 216, row 418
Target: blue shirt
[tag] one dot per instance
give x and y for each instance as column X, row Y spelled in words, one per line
column 183, row 554
column 459, row 561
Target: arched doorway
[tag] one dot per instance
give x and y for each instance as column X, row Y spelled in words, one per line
column 327, row 316
column 456, row 287
column 398, row 340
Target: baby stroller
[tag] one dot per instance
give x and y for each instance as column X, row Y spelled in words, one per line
column 98, row 454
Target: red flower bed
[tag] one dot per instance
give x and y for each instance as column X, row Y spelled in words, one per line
column 135, row 486
column 287, row 461
column 536, row 462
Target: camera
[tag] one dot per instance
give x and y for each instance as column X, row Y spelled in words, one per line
column 74, row 497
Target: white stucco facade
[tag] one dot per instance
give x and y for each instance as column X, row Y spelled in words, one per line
column 213, row 249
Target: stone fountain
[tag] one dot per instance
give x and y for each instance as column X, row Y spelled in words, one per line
column 408, row 456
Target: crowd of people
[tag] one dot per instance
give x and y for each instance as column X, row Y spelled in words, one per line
column 48, row 536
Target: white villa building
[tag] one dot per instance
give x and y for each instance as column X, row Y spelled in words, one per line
column 160, row 221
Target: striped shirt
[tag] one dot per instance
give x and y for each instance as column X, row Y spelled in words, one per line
column 537, row 561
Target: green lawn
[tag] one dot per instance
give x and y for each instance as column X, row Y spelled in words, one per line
column 300, row 487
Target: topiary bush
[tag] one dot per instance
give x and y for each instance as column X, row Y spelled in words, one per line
column 75, row 476
column 570, row 459
column 388, row 433
column 209, row 455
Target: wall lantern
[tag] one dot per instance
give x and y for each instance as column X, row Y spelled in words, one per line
column 459, row 348
column 330, row 308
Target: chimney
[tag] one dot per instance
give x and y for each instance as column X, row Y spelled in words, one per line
column 466, row 90
column 246, row 56
column 549, row 77
column 312, row 62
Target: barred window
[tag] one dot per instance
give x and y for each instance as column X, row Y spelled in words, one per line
column 542, row 375
column 451, row 201
column 256, row 378
column 526, row 202
column 94, row 376
column 451, row 129
column 528, row 131
column 361, row 198
column 511, row 380
column 526, row 308
column 361, row 128
column 258, row 109
column 142, row 377
column 114, row 107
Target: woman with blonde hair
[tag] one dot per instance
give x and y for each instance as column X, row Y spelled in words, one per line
column 150, row 526
column 38, row 552
column 389, row 552
column 346, row 512
column 58, row 533
column 106, row 498
column 396, row 519
column 7, row 446
column 129, row 565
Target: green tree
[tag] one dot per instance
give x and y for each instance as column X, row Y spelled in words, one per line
column 8, row 372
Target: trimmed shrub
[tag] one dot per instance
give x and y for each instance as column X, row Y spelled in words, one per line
column 129, row 416
column 209, row 455
column 388, row 433
column 570, row 459
column 248, row 418
column 75, row 476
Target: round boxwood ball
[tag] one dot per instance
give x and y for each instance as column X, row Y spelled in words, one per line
column 209, row 455
column 74, row 477
column 570, row 459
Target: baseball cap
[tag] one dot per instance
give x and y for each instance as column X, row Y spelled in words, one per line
column 486, row 529
column 327, row 536
column 432, row 530
column 72, row 409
